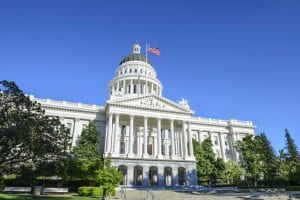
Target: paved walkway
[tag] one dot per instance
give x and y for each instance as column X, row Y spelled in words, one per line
column 188, row 195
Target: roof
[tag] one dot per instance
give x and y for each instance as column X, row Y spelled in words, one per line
column 135, row 57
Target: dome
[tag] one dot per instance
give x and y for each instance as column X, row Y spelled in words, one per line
column 135, row 57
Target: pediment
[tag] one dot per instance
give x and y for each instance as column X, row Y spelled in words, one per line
column 154, row 102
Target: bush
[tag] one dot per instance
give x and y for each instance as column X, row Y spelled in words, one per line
column 85, row 191
column 292, row 188
column 96, row 191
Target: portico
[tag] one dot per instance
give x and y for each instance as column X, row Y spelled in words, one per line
column 136, row 136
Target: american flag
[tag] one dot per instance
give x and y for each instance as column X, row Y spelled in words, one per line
column 154, row 50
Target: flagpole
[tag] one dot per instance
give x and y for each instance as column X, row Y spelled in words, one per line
column 146, row 53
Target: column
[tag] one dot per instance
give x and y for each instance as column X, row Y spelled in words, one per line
column 131, row 87
column 76, row 132
column 222, row 146
column 172, row 138
column 124, row 92
column 118, row 86
column 145, row 154
column 117, row 133
column 184, row 140
column 109, row 133
column 131, row 138
column 152, row 87
column 146, row 87
column 130, row 169
column 190, row 140
column 159, row 137
column 199, row 136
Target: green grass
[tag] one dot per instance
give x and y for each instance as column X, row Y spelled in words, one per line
column 48, row 197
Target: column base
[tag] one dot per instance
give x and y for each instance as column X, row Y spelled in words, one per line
column 174, row 157
column 189, row 158
column 159, row 156
column 130, row 155
column 145, row 156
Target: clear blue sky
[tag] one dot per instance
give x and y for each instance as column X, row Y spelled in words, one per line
column 230, row 59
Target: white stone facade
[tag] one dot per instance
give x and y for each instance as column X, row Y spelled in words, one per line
column 146, row 135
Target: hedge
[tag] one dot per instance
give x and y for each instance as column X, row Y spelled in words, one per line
column 293, row 188
column 96, row 191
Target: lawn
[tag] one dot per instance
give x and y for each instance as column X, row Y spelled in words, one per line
column 48, row 197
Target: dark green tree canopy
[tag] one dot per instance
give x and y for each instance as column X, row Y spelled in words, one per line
column 27, row 136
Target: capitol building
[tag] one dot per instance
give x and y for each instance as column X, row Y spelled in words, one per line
column 147, row 136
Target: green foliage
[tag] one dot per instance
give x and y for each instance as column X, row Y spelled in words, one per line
column 249, row 149
column 109, row 176
column 232, row 173
column 96, row 191
column 289, row 168
column 85, row 191
column 209, row 169
column 28, row 138
column 268, row 160
column 86, row 155
column 292, row 188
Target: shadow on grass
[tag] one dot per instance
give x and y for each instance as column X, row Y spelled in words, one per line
column 43, row 197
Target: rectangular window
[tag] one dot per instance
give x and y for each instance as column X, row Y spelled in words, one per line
column 226, row 142
column 122, row 148
column 123, row 130
column 216, row 140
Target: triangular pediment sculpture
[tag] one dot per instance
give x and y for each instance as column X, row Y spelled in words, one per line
column 151, row 102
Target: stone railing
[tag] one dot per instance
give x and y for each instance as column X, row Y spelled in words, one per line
column 51, row 102
column 223, row 122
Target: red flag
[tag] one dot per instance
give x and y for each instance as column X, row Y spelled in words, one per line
column 154, row 50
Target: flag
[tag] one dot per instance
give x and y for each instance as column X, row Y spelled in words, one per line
column 154, row 50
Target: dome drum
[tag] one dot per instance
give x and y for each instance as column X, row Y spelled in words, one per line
column 135, row 75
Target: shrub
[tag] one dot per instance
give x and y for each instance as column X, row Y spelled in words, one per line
column 85, row 191
column 96, row 191
column 293, row 188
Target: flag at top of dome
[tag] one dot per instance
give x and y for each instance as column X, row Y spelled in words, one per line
column 154, row 50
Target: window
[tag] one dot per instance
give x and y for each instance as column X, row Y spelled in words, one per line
column 162, row 133
column 141, row 71
column 125, row 71
column 69, row 126
column 122, row 148
column 135, row 70
column 225, row 141
column 123, row 130
column 216, row 140
column 142, row 89
column 134, row 89
column 130, row 71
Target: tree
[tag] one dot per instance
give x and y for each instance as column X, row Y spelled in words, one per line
column 28, row 138
column 209, row 169
column 291, row 158
column 268, row 158
column 233, row 172
column 86, row 155
column 249, row 148
column 109, row 176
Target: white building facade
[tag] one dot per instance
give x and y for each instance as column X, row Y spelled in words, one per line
column 146, row 135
